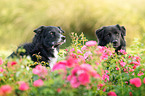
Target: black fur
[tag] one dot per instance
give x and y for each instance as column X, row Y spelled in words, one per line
column 112, row 34
column 46, row 39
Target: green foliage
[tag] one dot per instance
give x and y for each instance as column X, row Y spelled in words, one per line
column 104, row 70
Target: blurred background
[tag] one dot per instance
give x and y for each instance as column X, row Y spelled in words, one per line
column 18, row 18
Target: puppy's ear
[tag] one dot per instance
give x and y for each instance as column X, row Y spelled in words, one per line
column 122, row 28
column 39, row 30
column 62, row 31
column 99, row 33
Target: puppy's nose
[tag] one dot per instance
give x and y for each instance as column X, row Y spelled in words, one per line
column 63, row 37
column 114, row 41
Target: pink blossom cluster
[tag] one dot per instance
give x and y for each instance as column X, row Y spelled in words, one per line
column 111, row 94
column 104, row 51
column 1, row 69
column 23, row 86
column 1, row 61
column 81, row 74
column 134, row 62
column 137, row 82
column 40, row 70
column 5, row 90
column 105, row 76
column 38, row 83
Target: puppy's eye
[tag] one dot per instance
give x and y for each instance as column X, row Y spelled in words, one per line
column 52, row 33
column 109, row 34
column 116, row 33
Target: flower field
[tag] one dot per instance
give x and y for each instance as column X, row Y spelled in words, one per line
column 83, row 69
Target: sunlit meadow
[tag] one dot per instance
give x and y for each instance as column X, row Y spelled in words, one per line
column 18, row 18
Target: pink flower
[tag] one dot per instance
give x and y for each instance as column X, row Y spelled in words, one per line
column 72, row 61
column 100, row 86
column 111, row 94
column 104, row 56
column 1, row 61
column 1, row 92
column 58, row 90
column 69, row 77
column 1, row 69
column 144, row 80
column 86, row 55
column 137, row 58
column 130, row 94
column 122, row 51
column 91, row 43
column 131, row 70
column 72, row 50
column 76, row 70
column 79, row 51
column 101, row 50
column 40, row 71
column 80, row 75
column 66, row 49
column 126, row 82
column 135, row 63
column 84, row 48
column 60, row 66
column 122, row 63
column 74, row 82
column 105, row 77
column 81, row 58
column 23, row 86
column 84, row 78
column 5, row 89
column 117, row 68
column 134, row 67
column 38, row 83
column 136, row 82
column 104, row 89
column 13, row 63
column 88, row 68
column 140, row 73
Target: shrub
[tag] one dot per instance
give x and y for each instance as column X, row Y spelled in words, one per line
column 84, row 68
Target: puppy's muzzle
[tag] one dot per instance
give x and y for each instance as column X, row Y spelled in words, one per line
column 114, row 41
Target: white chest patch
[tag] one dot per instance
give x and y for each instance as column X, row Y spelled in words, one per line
column 53, row 60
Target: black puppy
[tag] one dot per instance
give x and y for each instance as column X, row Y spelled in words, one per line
column 45, row 43
column 112, row 34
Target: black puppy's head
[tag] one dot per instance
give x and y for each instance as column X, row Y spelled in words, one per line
column 49, row 36
column 111, row 34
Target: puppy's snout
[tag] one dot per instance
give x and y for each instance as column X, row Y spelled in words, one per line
column 63, row 37
column 114, row 41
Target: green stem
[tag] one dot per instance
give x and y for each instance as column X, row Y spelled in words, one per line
column 121, row 80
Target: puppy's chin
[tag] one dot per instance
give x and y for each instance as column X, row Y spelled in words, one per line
column 116, row 46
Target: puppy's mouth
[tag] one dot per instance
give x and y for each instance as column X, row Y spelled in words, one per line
column 59, row 43
column 115, row 46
